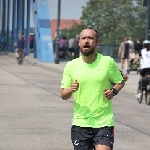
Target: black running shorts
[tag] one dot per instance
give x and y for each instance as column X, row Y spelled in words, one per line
column 144, row 71
column 84, row 138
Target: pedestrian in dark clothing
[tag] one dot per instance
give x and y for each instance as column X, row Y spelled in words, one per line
column 31, row 43
column 138, row 45
column 76, row 47
column 1, row 40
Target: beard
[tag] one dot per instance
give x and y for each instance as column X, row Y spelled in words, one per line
column 87, row 53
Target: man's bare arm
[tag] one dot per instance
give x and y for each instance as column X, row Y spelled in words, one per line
column 119, row 86
column 66, row 94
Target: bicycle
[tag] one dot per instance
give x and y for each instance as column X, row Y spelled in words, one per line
column 20, row 59
column 145, row 89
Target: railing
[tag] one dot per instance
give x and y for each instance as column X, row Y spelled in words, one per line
column 106, row 50
column 109, row 50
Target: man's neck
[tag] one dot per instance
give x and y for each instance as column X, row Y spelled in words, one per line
column 89, row 59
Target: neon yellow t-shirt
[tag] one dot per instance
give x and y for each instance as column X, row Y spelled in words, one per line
column 91, row 107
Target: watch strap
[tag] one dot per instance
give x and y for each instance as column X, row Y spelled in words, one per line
column 115, row 92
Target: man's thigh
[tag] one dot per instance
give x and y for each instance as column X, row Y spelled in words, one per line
column 104, row 138
column 81, row 138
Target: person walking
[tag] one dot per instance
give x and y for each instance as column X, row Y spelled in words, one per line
column 31, row 43
column 138, row 45
column 123, row 54
column 131, row 53
column 71, row 48
column 76, row 47
column 89, row 79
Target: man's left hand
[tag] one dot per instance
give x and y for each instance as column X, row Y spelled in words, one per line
column 108, row 93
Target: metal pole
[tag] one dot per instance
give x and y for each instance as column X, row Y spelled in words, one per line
column 28, row 28
column 3, row 24
column 57, row 37
column 3, row 18
column 23, row 8
column 8, row 10
column 0, row 16
column 13, row 24
column 19, row 17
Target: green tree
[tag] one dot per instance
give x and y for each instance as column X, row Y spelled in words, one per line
column 75, row 30
column 115, row 19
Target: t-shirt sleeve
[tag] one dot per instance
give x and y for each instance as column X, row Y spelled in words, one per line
column 66, row 80
column 115, row 74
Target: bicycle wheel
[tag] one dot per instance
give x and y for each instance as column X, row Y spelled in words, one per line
column 147, row 97
column 141, row 98
column 20, row 60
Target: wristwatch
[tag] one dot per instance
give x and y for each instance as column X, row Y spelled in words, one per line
column 115, row 92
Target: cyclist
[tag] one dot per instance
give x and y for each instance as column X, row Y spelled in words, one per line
column 20, row 45
column 144, row 57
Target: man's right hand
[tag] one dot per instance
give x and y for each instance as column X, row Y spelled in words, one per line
column 74, row 86
column 67, row 93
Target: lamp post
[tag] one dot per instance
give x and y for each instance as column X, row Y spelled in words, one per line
column 3, row 24
column 57, row 37
column 7, row 36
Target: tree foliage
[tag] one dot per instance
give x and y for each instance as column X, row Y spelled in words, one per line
column 115, row 20
column 75, row 30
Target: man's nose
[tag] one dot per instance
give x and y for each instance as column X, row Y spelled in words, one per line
column 86, row 40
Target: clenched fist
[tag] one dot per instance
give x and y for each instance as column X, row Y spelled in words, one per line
column 108, row 93
column 74, row 86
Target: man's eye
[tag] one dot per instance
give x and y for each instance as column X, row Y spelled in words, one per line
column 91, row 38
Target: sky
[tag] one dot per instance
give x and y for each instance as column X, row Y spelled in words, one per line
column 70, row 9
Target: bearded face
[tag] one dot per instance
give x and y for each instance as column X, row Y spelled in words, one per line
column 87, row 50
column 88, row 42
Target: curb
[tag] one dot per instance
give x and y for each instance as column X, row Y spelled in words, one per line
column 35, row 62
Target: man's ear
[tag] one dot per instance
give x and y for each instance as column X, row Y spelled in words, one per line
column 98, row 42
column 79, row 43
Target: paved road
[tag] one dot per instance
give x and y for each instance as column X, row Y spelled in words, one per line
column 33, row 117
